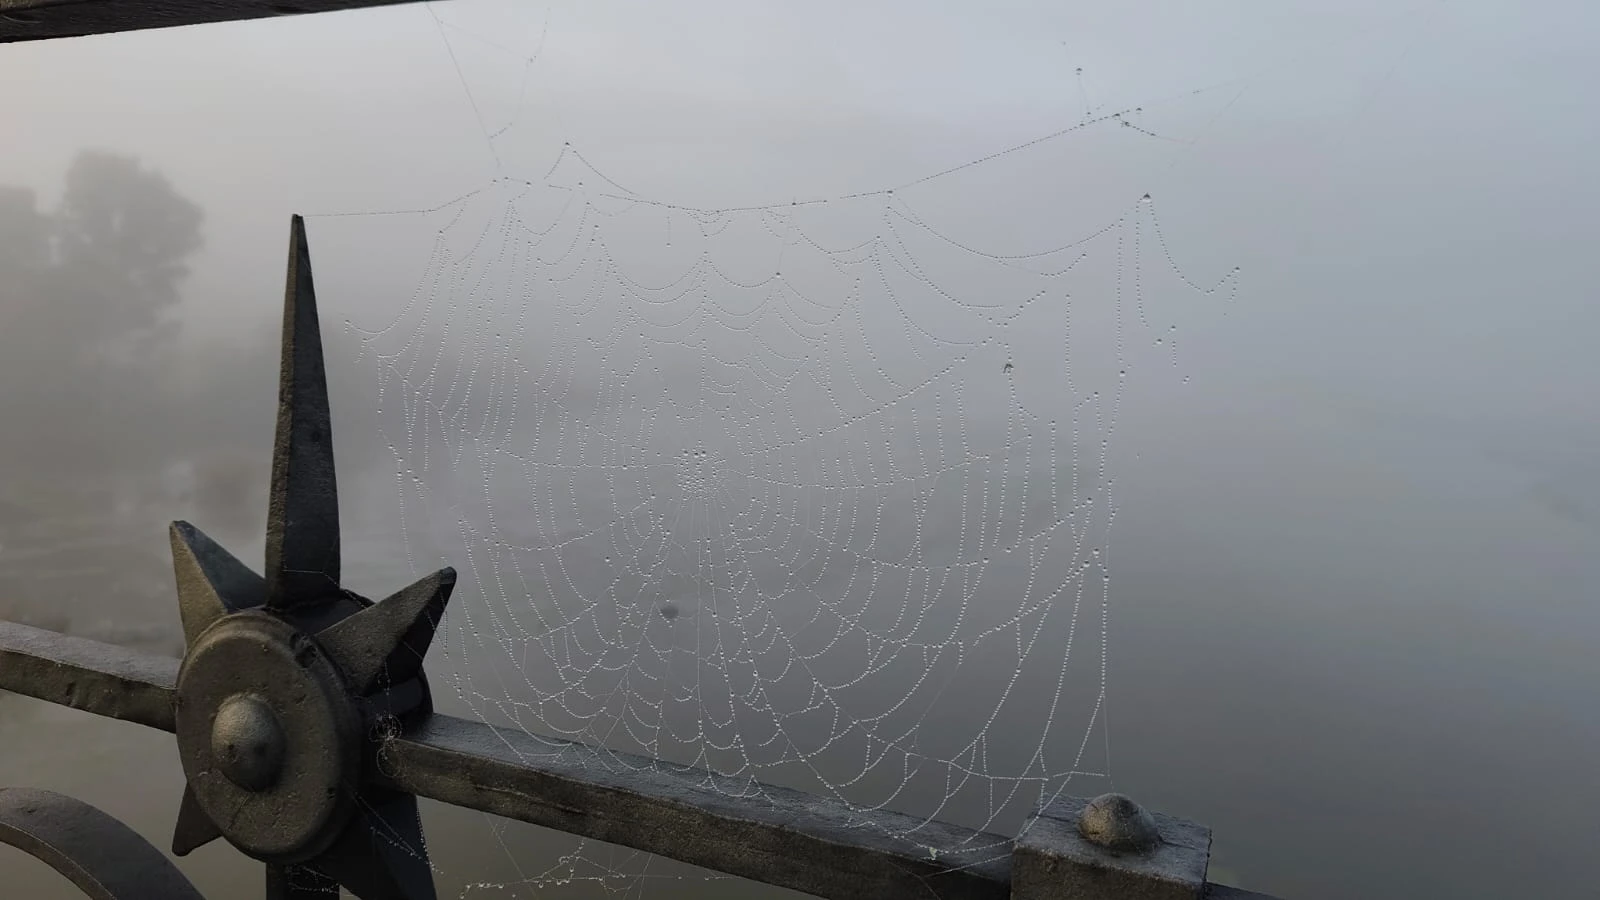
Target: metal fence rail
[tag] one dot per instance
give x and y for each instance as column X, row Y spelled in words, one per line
column 36, row 20
column 306, row 729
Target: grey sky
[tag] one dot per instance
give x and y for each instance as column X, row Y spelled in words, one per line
column 1382, row 484
column 1419, row 129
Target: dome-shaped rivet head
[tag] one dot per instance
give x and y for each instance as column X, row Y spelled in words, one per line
column 1117, row 823
column 247, row 742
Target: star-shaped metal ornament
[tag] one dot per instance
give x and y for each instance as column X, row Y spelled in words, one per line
column 290, row 684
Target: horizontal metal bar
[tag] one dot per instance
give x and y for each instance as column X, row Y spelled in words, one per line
column 33, row 20
column 770, row 834
column 763, row 832
column 103, row 679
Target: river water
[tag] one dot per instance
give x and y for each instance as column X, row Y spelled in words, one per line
column 1354, row 703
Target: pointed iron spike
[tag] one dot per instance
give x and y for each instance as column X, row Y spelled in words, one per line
column 393, row 633
column 299, row 883
column 303, row 507
column 211, row 581
column 381, row 855
column 194, row 829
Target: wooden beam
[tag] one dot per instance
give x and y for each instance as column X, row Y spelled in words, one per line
column 35, row 20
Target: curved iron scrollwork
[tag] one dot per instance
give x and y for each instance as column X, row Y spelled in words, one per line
column 106, row 859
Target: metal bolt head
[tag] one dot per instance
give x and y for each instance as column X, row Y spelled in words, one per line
column 281, row 731
column 248, row 743
column 1117, row 823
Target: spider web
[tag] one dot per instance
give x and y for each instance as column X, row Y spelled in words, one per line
column 812, row 493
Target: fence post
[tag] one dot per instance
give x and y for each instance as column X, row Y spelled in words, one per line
column 1108, row 848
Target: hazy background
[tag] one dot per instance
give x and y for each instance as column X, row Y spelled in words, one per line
column 1356, row 533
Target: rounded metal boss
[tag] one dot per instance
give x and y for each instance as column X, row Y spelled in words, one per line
column 1119, row 824
column 247, row 742
column 268, row 737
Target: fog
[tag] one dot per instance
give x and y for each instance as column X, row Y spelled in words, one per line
column 1188, row 400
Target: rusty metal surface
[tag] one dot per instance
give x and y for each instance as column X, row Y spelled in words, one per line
column 33, row 20
column 106, row 859
column 103, row 679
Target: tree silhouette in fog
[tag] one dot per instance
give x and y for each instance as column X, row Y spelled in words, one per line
column 113, row 419
column 92, row 390
column 123, row 236
column 87, row 293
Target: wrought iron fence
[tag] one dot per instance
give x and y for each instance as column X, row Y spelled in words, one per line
column 306, row 729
